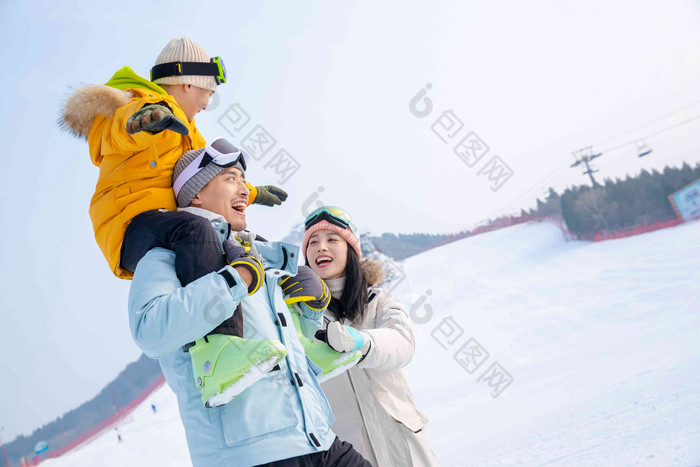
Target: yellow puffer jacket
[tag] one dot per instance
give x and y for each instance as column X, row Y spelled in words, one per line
column 135, row 170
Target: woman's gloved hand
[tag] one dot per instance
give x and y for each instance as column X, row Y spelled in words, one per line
column 344, row 338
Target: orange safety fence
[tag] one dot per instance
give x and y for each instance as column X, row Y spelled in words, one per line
column 107, row 423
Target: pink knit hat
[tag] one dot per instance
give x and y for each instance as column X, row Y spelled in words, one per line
column 346, row 233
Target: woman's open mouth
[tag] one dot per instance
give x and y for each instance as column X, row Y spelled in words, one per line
column 323, row 261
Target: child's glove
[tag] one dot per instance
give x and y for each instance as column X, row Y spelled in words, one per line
column 344, row 338
column 155, row 118
column 269, row 195
column 237, row 256
column 306, row 287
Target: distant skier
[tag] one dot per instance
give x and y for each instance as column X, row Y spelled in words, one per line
column 372, row 402
column 283, row 419
column 153, row 408
column 119, row 435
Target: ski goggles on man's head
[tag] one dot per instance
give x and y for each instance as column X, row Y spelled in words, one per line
column 226, row 154
column 220, row 152
column 333, row 215
column 215, row 68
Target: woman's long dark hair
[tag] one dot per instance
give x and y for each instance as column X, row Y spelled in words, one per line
column 353, row 303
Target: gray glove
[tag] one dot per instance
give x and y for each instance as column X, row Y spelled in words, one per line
column 237, row 256
column 155, row 118
column 269, row 195
column 306, row 287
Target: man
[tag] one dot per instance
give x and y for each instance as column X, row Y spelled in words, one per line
column 283, row 418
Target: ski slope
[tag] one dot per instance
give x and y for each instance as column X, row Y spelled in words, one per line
column 601, row 342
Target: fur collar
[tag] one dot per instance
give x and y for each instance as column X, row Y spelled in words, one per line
column 373, row 271
column 86, row 103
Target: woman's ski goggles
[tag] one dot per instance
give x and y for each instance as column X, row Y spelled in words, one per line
column 215, row 68
column 333, row 215
column 220, row 152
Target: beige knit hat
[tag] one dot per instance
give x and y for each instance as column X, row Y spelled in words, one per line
column 185, row 50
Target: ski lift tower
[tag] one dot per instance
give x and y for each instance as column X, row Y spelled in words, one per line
column 585, row 156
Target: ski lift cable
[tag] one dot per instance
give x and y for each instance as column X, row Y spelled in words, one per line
column 651, row 135
column 658, row 119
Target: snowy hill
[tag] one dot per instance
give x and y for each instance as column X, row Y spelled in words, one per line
column 596, row 347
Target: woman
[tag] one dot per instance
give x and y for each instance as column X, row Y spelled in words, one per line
column 372, row 402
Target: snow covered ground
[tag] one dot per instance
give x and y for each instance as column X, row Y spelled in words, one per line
column 531, row 350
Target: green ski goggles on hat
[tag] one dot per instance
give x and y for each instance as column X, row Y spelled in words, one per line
column 333, row 215
column 215, row 68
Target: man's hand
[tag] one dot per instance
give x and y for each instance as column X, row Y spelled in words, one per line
column 247, row 266
column 269, row 195
column 155, row 118
column 306, row 287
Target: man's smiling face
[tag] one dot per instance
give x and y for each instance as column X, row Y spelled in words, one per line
column 227, row 195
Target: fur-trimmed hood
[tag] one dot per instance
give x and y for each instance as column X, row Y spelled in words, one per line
column 373, row 271
column 86, row 103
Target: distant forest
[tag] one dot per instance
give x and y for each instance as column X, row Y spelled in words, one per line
column 617, row 203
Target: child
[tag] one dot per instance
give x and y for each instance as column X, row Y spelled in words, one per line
column 136, row 131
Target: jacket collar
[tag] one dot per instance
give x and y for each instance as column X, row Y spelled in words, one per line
column 214, row 217
column 126, row 78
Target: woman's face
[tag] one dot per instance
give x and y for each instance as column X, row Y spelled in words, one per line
column 327, row 254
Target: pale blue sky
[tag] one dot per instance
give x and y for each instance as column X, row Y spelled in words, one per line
column 331, row 82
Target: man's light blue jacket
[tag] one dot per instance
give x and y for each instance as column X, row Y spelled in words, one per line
column 283, row 415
